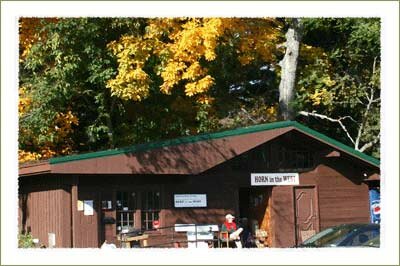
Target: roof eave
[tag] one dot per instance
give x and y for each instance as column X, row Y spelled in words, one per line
column 34, row 169
column 337, row 145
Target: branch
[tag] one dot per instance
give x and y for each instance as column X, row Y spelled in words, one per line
column 376, row 100
column 332, row 120
column 374, row 66
column 369, row 144
column 248, row 115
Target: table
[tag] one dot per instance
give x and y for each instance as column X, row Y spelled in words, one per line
column 126, row 240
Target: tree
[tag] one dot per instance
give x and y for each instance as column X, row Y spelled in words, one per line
column 208, row 59
column 180, row 50
column 288, row 68
column 63, row 75
column 342, row 83
column 98, row 83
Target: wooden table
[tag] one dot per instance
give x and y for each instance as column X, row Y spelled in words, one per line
column 126, row 240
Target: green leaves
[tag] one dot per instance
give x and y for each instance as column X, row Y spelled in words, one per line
column 341, row 79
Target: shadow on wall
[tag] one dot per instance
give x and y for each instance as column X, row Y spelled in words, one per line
column 24, row 212
column 192, row 158
column 348, row 168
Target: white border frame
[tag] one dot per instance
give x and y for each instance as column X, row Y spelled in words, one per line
column 387, row 254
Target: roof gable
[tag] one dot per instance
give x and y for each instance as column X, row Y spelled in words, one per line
column 190, row 155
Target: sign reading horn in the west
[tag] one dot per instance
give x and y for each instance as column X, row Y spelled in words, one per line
column 274, row 179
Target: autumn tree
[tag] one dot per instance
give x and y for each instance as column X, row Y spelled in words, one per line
column 64, row 76
column 99, row 83
column 181, row 55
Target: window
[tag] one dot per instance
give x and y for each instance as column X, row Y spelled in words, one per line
column 150, row 208
column 126, row 207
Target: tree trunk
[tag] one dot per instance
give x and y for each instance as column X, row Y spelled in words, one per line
column 288, row 72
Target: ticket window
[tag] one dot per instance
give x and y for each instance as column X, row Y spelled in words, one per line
column 126, row 203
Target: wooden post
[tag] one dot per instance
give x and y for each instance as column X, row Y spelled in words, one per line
column 74, row 212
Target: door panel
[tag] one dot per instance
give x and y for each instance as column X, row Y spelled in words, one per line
column 307, row 223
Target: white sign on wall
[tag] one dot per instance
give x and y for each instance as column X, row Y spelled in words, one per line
column 274, row 179
column 88, row 207
column 190, row 200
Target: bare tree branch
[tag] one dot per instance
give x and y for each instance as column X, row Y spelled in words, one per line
column 376, row 100
column 369, row 144
column 374, row 66
column 248, row 115
column 371, row 100
column 332, row 120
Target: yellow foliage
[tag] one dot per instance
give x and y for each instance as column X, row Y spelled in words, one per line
column 271, row 113
column 321, row 96
column 180, row 44
column 24, row 102
column 200, row 86
column 205, row 99
column 311, row 53
column 318, row 69
column 63, row 128
column 328, row 81
column 26, row 156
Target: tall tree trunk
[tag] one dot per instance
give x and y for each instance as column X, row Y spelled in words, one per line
column 288, row 69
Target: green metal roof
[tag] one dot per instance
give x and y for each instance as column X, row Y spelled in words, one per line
column 217, row 135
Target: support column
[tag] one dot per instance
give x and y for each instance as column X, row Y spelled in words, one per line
column 74, row 211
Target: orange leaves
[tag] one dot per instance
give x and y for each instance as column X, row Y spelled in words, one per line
column 62, row 129
column 64, row 123
column 205, row 99
column 29, row 33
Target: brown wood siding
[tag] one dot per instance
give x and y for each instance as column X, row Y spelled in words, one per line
column 222, row 198
column 87, row 226
column 48, row 211
column 282, row 213
column 341, row 199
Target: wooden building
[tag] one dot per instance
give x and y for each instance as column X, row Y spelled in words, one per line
column 287, row 179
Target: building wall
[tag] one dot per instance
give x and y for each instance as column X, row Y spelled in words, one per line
column 342, row 197
column 341, row 194
column 45, row 207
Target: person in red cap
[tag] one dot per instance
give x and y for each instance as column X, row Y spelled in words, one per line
column 230, row 226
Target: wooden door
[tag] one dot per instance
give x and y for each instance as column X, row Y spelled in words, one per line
column 307, row 221
column 88, row 222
